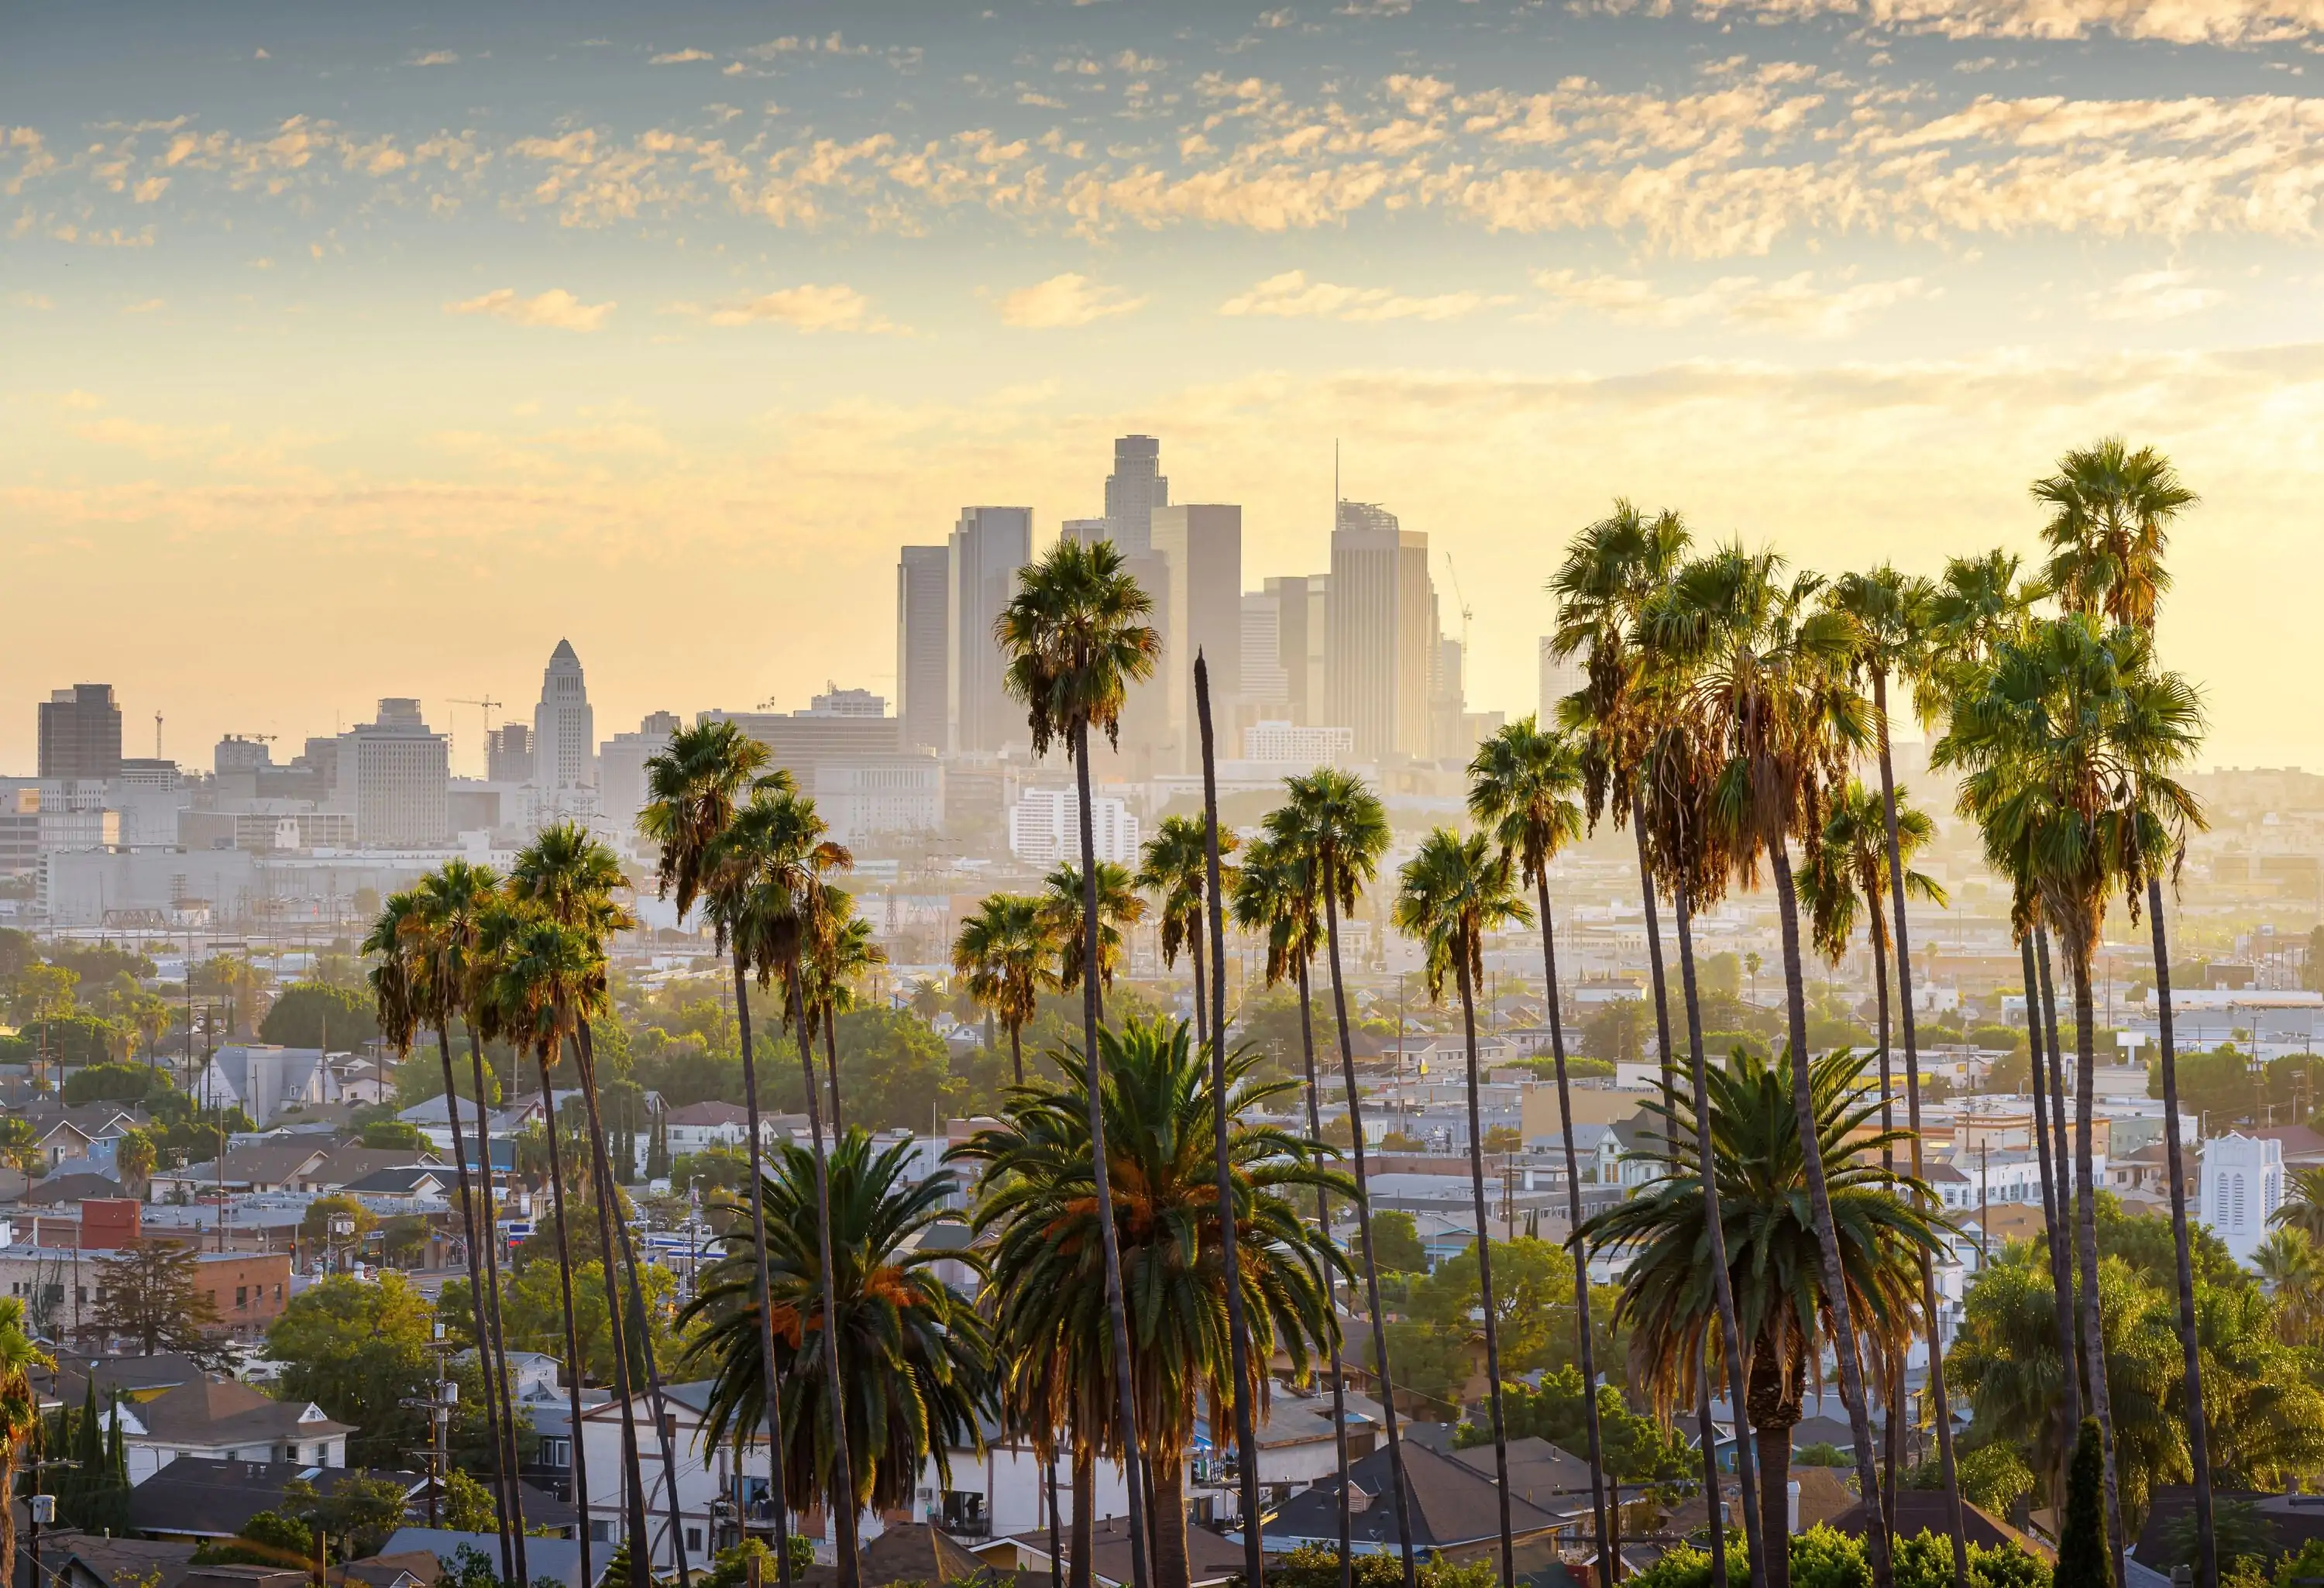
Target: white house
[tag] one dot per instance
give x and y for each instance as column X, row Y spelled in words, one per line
column 226, row 1421
column 264, row 1078
column 2243, row 1184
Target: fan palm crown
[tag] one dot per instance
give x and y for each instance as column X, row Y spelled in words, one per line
column 2111, row 510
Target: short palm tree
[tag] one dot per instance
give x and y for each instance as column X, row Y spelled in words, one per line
column 1003, row 952
column 920, row 1358
column 1075, row 638
column 2069, row 742
column 1118, row 905
column 1333, row 824
column 1038, row 1201
column 19, row 1411
column 695, row 789
column 2302, row 1207
column 1777, row 1254
column 1453, row 894
column 1523, row 784
column 840, row 950
column 2289, row 1265
column 1173, row 867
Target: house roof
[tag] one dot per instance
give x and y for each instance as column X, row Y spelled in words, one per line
column 197, row 1496
column 1451, row 1503
column 342, row 1166
column 386, row 1571
column 702, row 1114
column 115, row 1560
column 2299, row 1143
column 398, row 1182
column 557, row 1559
column 262, row 1163
column 138, row 1377
column 1210, row 1558
column 1540, row 1474
column 221, row 1412
column 1929, row 1511
column 75, row 1187
column 907, row 1552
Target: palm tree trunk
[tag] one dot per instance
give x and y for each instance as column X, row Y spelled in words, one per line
column 1169, row 1510
column 1771, row 1432
column 1056, row 1545
column 1364, row 1227
column 502, row 1474
column 772, row 1403
column 1715, row 1508
column 840, row 1493
column 1892, row 1382
column 2086, row 1237
column 1485, row 1286
column 572, row 1330
column 1583, row 1345
column 1238, row 1324
column 2062, row 1273
column 499, row 1388
column 1331, row 1294
column 1654, row 953
column 633, row 1498
column 2207, row 1566
column 2059, row 1149
column 643, row 1338
column 1080, row 1574
column 1202, row 1004
column 1749, row 1484
column 831, row 1063
column 1118, row 1315
column 1016, row 1052
column 1835, row 1278
column 1932, row 1306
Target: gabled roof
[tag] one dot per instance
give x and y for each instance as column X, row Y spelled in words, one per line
column 1451, row 1503
column 203, row 1497
column 263, row 1163
column 111, row 1561
column 1209, row 1559
column 709, row 1113
column 1540, row 1474
column 217, row 1412
column 76, row 1187
column 342, row 1166
column 1921, row 1511
column 402, row 1182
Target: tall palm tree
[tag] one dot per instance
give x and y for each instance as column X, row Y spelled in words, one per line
column 1276, row 895
column 1075, row 638
column 1335, row 825
column 1767, row 674
column 840, row 950
column 2112, row 512
column 1040, row 1201
column 1455, row 892
column 542, row 974
column 1522, row 788
column 791, row 857
column 921, row 1359
column 2068, row 743
column 20, row 1412
column 1003, row 952
column 406, row 989
column 570, row 878
column 1171, row 867
column 1782, row 1282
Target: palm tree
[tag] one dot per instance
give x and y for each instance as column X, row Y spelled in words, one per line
column 1040, row 1203
column 1172, row 868
column 1455, row 892
column 2112, row 513
column 1075, row 638
column 1337, row 828
column 20, row 1413
column 2069, row 742
column 788, row 857
column 1522, row 786
column 1003, row 952
column 1118, row 906
column 1778, row 1266
column 1765, row 675
column 415, row 977
column 1276, row 894
column 570, row 878
column 920, row 1358
column 695, row 790
column 840, row 950
column 2302, row 1207
column 2288, row 1263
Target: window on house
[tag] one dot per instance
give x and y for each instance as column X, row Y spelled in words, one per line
column 242, row 1303
column 694, row 1541
column 602, row 1532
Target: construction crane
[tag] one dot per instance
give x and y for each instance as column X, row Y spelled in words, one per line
column 1462, row 602
column 486, row 707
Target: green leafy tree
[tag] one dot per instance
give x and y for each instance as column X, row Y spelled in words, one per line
column 311, row 1014
column 359, row 1351
column 115, row 1083
column 400, row 1134
column 1399, row 1250
column 150, row 1293
column 1638, row 1448
column 465, row 1505
column 2084, row 1561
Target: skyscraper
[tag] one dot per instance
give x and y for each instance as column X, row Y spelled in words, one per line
column 1380, row 666
column 1201, row 545
column 987, row 547
column 396, row 778
column 80, row 733
column 1133, row 490
column 923, row 664
column 622, row 771
column 564, row 729
column 1263, row 682
column 1302, row 618
column 508, row 753
column 1560, row 676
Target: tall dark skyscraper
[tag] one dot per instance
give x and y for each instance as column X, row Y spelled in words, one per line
column 987, row 547
column 923, row 662
column 80, row 733
column 508, row 753
column 1133, row 490
column 1201, row 544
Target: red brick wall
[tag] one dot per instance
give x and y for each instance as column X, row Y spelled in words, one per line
column 250, row 1289
column 106, row 1223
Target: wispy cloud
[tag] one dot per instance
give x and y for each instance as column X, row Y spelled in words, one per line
column 434, row 57
column 1292, row 296
column 679, row 57
column 1066, row 301
column 807, row 306
column 1794, row 304
column 557, row 310
column 2154, row 294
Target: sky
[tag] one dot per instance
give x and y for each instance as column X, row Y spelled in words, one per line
column 357, row 351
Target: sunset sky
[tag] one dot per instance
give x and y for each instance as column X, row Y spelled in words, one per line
column 352, row 351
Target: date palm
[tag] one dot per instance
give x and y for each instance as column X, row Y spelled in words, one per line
column 1173, row 867
column 2068, row 743
column 840, row 950
column 695, row 789
column 1039, row 1202
column 1776, row 1250
column 1275, row 896
column 569, row 878
column 1454, row 892
column 1764, row 672
column 1003, row 952
column 920, row 1358
column 1335, row 825
column 1523, row 784
column 1118, row 905
column 1075, row 638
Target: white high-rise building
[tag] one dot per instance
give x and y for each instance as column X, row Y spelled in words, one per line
column 564, row 729
column 1201, row 544
column 1381, row 639
column 1264, row 680
column 1560, row 676
column 621, row 772
column 988, row 547
column 1298, row 745
column 1045, row 827
column 395, row 777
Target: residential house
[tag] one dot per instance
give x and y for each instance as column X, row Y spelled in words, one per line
column 418, row 1189
column 70, row 1558
column 199, row 1497
column 292, row 1164
column 1211, row 1560
column 556, row 1559
column 215, row 1419
column 1455, row 1510
column 266, row 1080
